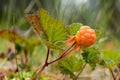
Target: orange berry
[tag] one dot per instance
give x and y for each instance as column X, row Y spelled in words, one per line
column 85, row 36
column 84, row 27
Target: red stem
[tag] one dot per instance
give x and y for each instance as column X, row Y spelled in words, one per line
column 112, row 74
column 48, row 63
column 84, row 65
column 39, row 71
column 117, row 76
column 43, row 67
column 63, row 54
column 48, row 52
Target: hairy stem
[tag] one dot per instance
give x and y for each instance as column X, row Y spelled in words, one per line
column 81, row 69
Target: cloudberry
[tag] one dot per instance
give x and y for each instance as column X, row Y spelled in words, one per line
column 84, row 37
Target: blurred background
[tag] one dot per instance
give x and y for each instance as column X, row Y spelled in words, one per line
column 102, row 15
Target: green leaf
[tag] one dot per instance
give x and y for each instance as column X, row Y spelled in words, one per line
column 53, row 46
column 51, row 32
column 91, row 56
column 53, row 28
column 94, row 55
column 70, row 65
column 56, row 32
column 110, row 58
column 45, row 21
column 107, row 54
column 73, row 28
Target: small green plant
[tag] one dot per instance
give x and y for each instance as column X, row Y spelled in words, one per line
column 24, row 47
column 53, row 34
column 72, row 47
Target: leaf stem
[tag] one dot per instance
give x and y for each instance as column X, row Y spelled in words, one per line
column 81, row 69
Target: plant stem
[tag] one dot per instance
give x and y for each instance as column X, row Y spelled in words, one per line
column 112, row 73
column 63, row 54
column 117, row 76
column 38, row 72
column 48, row 52
column 81, row 69
column 48, row 63
column 43, row 67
